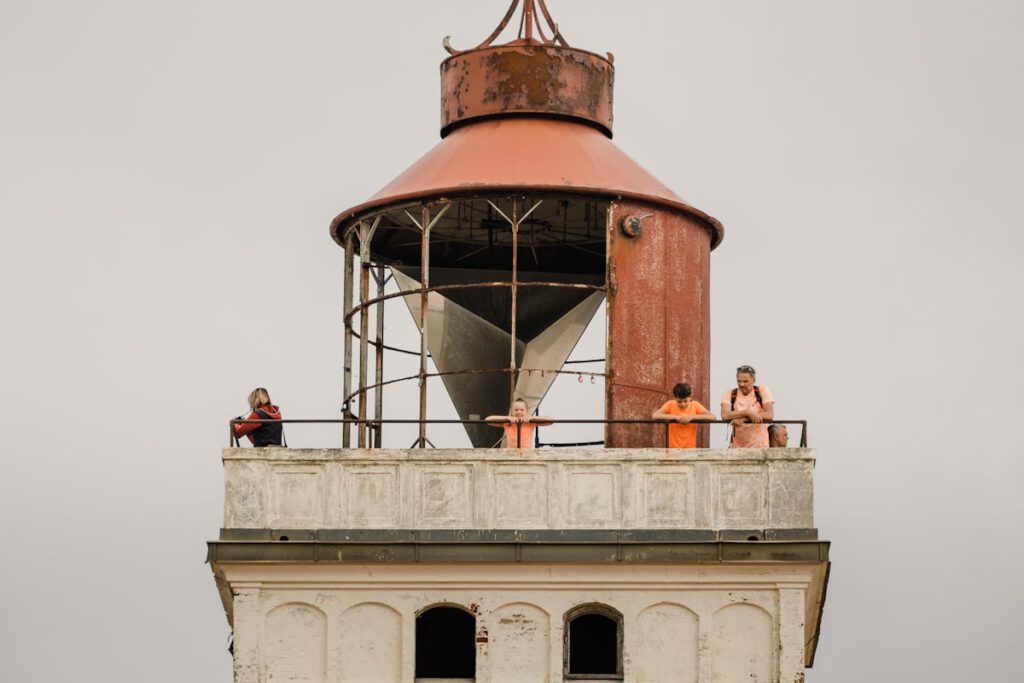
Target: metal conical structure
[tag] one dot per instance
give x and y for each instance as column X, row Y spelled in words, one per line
column 467, row 336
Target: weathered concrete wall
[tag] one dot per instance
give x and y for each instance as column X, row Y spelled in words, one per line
column 689, row 624
column 277, row 488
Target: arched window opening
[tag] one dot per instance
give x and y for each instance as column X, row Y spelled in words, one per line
column 593, row 642
column 445, row 643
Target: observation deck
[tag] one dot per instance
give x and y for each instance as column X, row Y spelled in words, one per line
column 700, row 494
column 713, row 530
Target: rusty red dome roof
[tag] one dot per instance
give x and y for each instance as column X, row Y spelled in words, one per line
column 534, row 114
column 524, row 154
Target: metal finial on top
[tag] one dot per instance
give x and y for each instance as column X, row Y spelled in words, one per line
column 527, row 23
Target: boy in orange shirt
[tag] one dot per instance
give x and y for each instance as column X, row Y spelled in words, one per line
column 685, row 411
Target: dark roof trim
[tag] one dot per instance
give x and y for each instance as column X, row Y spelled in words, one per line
column 505, row 553
column 346, row 219
column 539, row 536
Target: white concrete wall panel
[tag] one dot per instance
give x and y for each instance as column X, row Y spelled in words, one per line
column 791, row 494
column 280, row 488
column 743, row 643
column 520, row 644
column 666, row 645
column 592, row 495
column 295, row 645
column 689, row 624
column 371, row 644
column 297, row 496
column 668, row 497
column 520, row 497
column 245, row 493
column 444, row 496
column 370, row 498
column 741, row 497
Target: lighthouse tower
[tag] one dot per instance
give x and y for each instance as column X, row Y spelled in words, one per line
column 626, row 561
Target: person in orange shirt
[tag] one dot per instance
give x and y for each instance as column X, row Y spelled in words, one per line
column 518, row 425
column 685, row 411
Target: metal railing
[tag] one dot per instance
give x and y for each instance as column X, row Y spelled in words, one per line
column 233, row 440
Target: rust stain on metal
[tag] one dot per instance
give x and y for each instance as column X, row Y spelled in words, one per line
column 516, row 79
column 534, row 76
column 657, row 303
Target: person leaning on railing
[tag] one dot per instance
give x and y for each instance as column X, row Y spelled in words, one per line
column 684, row 410
column 748, row 407
column 265, row 434
column 518, row 425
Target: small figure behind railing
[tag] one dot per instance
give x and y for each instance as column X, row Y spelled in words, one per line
column 684, row 410
column 518, row 425
column 778, row 436
column 265, row 434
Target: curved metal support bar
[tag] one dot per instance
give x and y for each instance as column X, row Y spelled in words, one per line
column 399, row 212
column 526, row 27
column 490, row 39
column 471, row 285
column 557, row 37
column 474, row 371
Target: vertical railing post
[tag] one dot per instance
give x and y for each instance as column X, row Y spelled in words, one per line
column 365, row 238
column 425, row 224
column 514, row 221
column 424, row 295
column 346, row 381
column 515, row 300
column 378, row 392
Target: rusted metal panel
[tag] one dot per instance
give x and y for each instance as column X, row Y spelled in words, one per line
column 523, row 155
column 658, row 317
column 527, row 79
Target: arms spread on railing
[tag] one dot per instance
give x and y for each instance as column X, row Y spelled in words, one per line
column 376, row 424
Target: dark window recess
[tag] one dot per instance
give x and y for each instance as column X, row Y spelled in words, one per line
column 594, row 645
column 445, row 644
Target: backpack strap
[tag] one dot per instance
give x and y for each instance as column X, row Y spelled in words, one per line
column 757, row 395
column 264, row 415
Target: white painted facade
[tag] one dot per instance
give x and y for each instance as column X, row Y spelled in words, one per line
column 353, row 624
column 746, row 616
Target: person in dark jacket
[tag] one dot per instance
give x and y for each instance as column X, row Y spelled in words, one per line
column 265, row 434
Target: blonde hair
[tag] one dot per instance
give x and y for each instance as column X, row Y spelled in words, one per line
column 258, row 397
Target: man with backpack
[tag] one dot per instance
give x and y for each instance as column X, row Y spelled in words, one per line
column 748, row 406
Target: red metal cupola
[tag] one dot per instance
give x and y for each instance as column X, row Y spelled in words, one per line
column 505, row 238
column 533, row 113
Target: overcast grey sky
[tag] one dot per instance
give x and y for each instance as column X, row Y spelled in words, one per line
column 168, row 171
